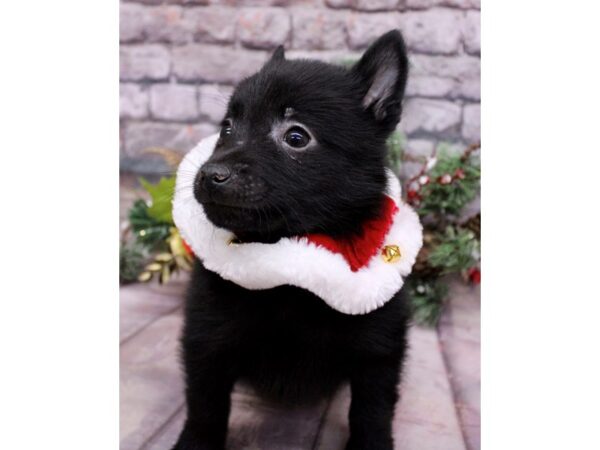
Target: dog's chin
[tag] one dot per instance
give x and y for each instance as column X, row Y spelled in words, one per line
column 249, row 224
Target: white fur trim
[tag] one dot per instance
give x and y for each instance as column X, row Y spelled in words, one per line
column 295, row 261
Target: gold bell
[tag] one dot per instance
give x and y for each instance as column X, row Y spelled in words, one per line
column 391, row 253
column 234, row 241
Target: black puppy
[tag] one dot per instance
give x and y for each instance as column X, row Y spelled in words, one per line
column 301, row 150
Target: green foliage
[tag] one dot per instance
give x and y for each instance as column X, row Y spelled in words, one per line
column 395, row 144
column 162, row 197
column 449, row 199
column 131, row 261
column 456, row 250
column 152, row 225
column 426, row 298
column 149, row 231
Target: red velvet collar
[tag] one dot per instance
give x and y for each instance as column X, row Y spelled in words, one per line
column 359, row 250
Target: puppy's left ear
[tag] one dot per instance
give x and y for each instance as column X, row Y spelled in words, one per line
column 382, row 71
column 278, row 54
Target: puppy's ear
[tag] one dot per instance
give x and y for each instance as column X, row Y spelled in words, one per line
column 382, row 71
column 278, row 55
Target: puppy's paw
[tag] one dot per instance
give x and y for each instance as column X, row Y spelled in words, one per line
column 187, row 445
column 371, row 443
column 191, row 439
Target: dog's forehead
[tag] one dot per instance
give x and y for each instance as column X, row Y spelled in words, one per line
column 294, row 86
column 261, row 95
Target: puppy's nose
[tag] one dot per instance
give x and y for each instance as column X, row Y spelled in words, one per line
column 215, row 174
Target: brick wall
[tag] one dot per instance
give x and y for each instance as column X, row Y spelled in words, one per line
column 179, row 60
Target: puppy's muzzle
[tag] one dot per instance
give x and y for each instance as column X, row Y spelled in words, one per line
column 228, row 184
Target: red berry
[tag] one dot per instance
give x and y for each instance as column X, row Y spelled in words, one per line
column 459, row 173
column 474, row 275
column 445, row 179
column 413, row 196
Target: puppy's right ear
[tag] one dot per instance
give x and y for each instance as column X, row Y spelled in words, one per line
column 278, row 55
column 382, row 72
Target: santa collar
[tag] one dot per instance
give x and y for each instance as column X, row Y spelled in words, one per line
column 352, row 276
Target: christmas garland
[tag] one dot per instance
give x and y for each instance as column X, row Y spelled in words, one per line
column 440, row 193
column 151, row 247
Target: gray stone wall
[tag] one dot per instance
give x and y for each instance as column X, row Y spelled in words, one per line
column 179, row 61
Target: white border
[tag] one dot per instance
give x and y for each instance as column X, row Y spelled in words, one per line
column 59, row 325
column 541, row 306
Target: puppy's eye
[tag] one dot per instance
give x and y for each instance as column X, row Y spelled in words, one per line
column 296, row 137
column 226, row 128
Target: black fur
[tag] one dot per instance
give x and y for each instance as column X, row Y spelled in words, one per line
column 285, row 341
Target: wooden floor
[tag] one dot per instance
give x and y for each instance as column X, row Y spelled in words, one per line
column 438, row 410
